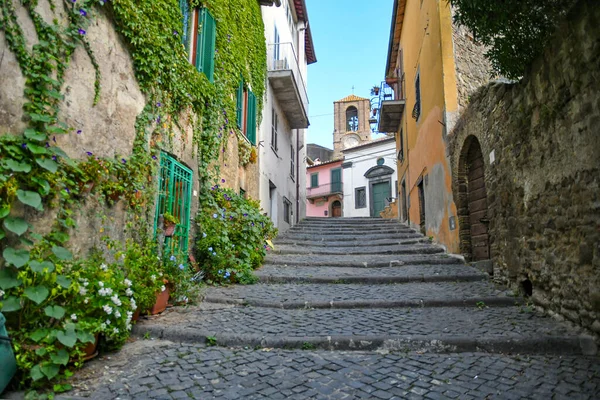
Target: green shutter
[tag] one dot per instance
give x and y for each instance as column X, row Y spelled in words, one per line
column 205, row 50
column 185, row 11
column 251, row 118
column 314, row 180
column 240, row 101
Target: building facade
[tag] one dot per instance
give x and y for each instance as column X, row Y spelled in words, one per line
column 324, row 193
column 369, row 176
column 351, row 123
column 282, row 147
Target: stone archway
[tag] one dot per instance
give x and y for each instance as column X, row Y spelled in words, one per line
column 472, row 202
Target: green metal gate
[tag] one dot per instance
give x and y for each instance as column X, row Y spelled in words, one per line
column 174, row 197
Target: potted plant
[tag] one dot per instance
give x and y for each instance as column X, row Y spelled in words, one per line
column 375, row 91
column 169, row 224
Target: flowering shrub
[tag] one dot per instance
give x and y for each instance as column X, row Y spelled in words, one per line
column 232, row 237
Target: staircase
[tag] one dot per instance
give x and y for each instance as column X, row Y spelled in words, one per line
column 372, row 284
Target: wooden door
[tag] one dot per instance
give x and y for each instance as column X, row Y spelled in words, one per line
column 477, row 204
column 380, row 192
column 336, row 209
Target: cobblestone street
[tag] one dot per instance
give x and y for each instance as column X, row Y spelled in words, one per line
column 407, row 322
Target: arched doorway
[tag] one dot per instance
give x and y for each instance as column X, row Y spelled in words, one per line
column 336, row 209
column 473, row 214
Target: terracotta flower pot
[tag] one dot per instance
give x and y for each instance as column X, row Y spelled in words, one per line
column 169, row 230
column 136, row 315
column 162, row 299
column 91, row 349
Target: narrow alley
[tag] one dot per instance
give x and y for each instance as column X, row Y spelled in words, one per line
column 349, row 309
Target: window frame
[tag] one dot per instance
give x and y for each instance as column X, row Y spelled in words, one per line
column 416, row 114
column 287, row 208
column 314, row 177
column 357, row 203
column 274, row 130
column 292, row 162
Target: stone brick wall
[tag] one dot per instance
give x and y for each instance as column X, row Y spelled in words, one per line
column 541, row 150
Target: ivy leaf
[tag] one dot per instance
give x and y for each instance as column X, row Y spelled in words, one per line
column 85, row 337
column 38, row 335
column 36, row 373
column 26, row 242
column 8, row 279
column 38, row 267
column 68, row 337
column 16, row 225
column 18, row 258
column 32, row 134
column 50, row 370
column 61, row 357
column 2, row 234
column 62, row 253
column 4, row 210
column 35, row 149
column 58, row 151
column 41, row 351
column 47, row 164
column 63, row 281
column 40, row 118
column 37, row 293
column 60, row 237
column 16, row 166
column 11, row 303
column 56, row 312
column 29, row 198
column 44, row 185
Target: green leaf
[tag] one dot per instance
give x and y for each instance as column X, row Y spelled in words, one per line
column 56, row 312
column 8, row 279
column 41, row 351
column 38, row 335
column 85, row 337
column 26, row 242
column 16, row 225
column 37, row 293
column 40, row 118
column 4, row 210
column 63, row 281
column 32, row 134
column 29, row 198
column 44, row 185
column 61, row 388
column 38, row 267
column 11, row 303
column 50, row 369
column 16, row 166
column 47, row 164
column 18, row 258
column 35, row 149
column 58, row 151
column 68, row 337
column 61, row 357
column 62, row 253
column 36, row 373
column 60, row 237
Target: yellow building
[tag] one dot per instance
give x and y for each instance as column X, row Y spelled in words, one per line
column 432, row 67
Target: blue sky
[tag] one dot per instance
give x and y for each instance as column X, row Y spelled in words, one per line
column 351, row 41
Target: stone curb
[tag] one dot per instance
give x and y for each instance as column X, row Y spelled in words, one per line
column 317, row 236
column 382, row 279
column 353, row 304
column 347, row 243
column 365, row 264
column 575, row 345
column 358, row 251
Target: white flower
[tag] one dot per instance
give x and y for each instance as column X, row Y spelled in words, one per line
column 133, row 305
column 82, row 291
column 103, row 326
column 129, row 314
column 160, row 274
column 116, row 330
column 101, row 284
column 108, row 322
column 129, row 292
column 117, row 314
column 74, row 317
column 163, row 288
column 108, row 309
column 153, row 277
column 85, row 283
column 1, row 293
column 109, row 291
column 86, row 300
column 115, row 299
column 128, row 326
column 104, row 267
column 127, row 282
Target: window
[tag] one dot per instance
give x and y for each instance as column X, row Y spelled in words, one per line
column 417, row 108
column 185, row 35
column 198, row 37
column 287, row 210
column 274, row 123
column 246, row 112
column 360, row 197
column 242, row 193
column 401, row 147
column 174, row 197
column 421, row 205
column 314, row 180
column 351, row 119
column 292, row 162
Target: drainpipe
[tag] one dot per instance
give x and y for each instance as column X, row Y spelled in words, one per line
column 298, row 148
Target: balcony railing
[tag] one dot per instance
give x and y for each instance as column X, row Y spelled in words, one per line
column 389, row 105
column 324, row 190
column 288, row 83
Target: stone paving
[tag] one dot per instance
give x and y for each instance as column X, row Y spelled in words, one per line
column 412, row 324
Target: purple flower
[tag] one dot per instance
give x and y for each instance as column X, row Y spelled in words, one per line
column 158, row 104
column 181, row 266
column 54, row 139
column 47, row 144
column 226, row 120
column 73, row 1
column 123, row 160
column 158, row 119
column 24, row 145
column 54, row 158
column 67, row 189
column 222, row 180
column 89, row 153
column 81, row 32
column 253, row 224
column 223, row 150
column 82, row 12
column 175, row 33
column 245, row 214
column 154, row 158
column 228, row 37
column 79, row 131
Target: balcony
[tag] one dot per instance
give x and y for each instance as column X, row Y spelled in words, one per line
column 324, row 191
column 391, row 106
column 288, row 84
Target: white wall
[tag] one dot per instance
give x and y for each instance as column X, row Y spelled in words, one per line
column 362, row 159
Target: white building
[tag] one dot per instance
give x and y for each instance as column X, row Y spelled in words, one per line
column 282, row 147
column 369, row 177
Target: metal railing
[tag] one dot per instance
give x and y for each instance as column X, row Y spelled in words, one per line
column 386, row 92
column 323, row 190
column 282, row 57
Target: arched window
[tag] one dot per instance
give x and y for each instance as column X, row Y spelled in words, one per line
column 351, row 119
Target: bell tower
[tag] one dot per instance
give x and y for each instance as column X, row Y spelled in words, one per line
column 351, row 123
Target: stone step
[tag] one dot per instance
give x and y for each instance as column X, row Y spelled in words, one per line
column 349, row 220
column 376, row 275
column 319, row 236
column 290, row 296
column 349, row 243
column 349, row 230
column 358, row 260
column 443, row 329
column 351, row 226
column 365, row 249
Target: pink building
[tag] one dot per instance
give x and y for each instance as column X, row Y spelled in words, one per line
column 324, row 194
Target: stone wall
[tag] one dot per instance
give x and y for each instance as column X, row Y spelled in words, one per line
column 539, row 140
